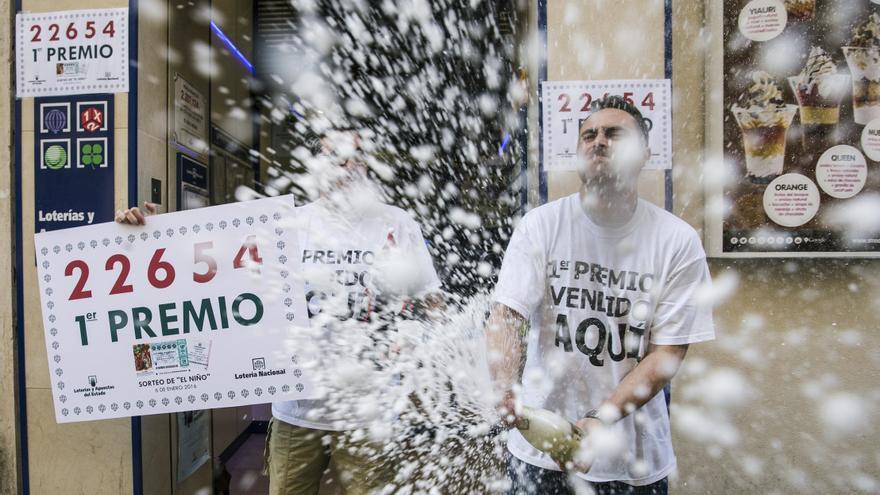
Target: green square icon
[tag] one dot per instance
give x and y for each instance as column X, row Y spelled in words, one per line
column 92, row 153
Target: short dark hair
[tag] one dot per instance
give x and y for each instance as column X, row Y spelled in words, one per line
column 314, row 141
column 618, row 102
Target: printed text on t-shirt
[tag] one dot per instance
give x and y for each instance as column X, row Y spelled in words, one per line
column 354, row 281
column 594, row 290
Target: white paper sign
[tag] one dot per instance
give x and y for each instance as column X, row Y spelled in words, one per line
column 567, row 103
column 190, row 116
column 72, row 52
column 196, row 310
column 193, row 442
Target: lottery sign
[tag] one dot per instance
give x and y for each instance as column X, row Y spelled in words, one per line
column 74, row 149
column 72, row 52
column 196, row 310
column 567, row 103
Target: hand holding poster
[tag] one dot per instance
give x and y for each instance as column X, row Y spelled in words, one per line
column 192, row 311
column 567, row 103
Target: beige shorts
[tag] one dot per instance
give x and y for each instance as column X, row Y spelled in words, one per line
column 298, row 457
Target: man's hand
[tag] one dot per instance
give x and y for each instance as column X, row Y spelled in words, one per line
column 638, row 387
column 134, row 216
column 587, row 425
column 507, row 410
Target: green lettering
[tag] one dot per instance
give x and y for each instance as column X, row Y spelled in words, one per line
column 118, row 319
column 258, row 309
column 141, row 317
column 165, row 319
column 205, row 310
column 224, row 320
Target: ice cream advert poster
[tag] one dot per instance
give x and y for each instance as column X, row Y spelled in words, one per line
column 801, row 126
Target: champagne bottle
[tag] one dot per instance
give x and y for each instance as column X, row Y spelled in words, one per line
column 550, row 433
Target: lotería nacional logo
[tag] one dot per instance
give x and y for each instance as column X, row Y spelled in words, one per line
column 259, row 363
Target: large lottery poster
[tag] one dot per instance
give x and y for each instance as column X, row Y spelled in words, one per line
column 801, row 125
column 196, row 310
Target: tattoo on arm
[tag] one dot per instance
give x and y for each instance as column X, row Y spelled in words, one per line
column 506, row 336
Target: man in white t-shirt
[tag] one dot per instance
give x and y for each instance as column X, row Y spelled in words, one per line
column 603, row 290
column 362, row 261
column 354, row 248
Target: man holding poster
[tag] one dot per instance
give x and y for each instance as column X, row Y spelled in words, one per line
column 603, row 288
column 362, row 260
column 183, row 315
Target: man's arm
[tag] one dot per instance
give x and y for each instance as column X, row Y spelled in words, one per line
column 505, row 333
column 655, row 370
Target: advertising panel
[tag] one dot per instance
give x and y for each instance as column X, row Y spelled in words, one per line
column 73, row 169
column 801, row 127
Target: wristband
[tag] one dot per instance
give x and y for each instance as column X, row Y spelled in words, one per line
column 593, row 413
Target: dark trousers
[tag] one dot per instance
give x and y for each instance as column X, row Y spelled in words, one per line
column 532, row 480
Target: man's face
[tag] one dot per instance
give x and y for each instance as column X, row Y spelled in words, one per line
column 611, row 150
column 343, row 150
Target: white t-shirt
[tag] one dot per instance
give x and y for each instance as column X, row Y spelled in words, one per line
column 346, row 258
column 594, row 297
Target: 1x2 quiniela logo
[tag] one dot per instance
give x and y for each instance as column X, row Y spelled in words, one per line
column 259, row 366
column 93, row 390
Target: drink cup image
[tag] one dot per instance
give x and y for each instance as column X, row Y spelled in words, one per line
column 764, row 119
column 764, row 134
column 862, row 54
column 819, row 100
column 800, row 9
column 864, row 66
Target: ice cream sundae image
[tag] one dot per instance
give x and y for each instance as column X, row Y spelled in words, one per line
column 819, row 90
column 764, row 119
column 800, row 9
column 863, row 58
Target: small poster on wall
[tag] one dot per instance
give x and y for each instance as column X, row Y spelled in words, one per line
column 193, row 442
column 190, row 116
column 801, row 126
column 567, row 103
column 71, row 52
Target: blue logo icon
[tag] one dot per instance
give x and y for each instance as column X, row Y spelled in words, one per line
column 55, row 120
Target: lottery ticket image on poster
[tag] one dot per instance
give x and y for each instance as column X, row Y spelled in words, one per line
column 143, row 361
column 161, row 357
column 200, row 353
